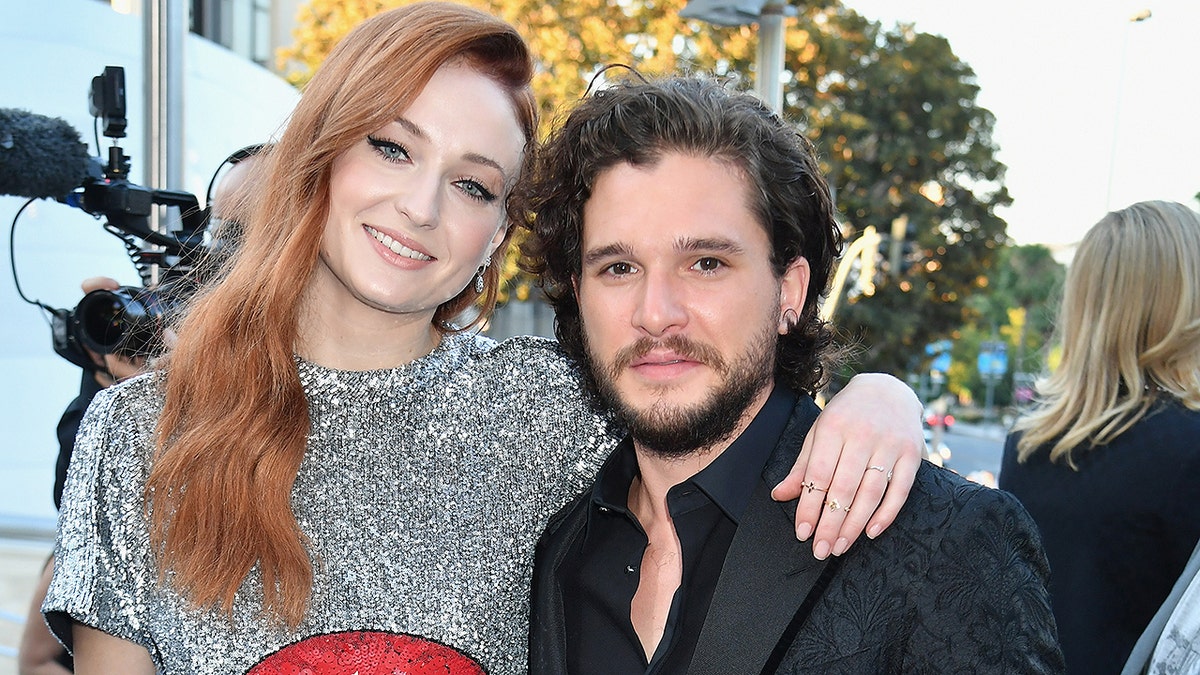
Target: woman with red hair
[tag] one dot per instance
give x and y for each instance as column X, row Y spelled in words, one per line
column 328, row 469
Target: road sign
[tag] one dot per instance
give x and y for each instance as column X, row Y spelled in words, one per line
column 993, row 359
column 938, row 347
column 941, row 364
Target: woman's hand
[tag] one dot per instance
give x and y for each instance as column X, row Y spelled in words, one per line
column 863, row 450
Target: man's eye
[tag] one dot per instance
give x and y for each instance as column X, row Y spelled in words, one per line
column 708, row 264
column 619, row 269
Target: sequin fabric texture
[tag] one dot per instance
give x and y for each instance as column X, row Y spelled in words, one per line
column 423, row 492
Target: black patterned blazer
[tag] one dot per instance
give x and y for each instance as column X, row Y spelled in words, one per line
column 956, row 585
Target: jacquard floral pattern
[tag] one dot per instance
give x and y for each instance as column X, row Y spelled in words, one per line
column 955, row 585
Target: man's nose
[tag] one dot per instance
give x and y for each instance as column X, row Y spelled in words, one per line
column 660, row 305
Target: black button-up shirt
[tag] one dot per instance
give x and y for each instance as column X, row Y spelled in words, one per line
column 600, row 575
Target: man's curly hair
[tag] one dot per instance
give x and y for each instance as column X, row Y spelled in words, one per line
column 637, row 122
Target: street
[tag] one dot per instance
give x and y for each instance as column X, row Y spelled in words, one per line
column 975, row 448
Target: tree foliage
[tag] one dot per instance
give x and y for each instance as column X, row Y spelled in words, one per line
column 1018, row 309
column 904, row 135
column 892, row 112
column 572, row 40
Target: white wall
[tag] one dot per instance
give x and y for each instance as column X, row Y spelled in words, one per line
column 51, row 50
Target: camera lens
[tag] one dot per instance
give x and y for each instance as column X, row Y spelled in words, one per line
column 100, row 321
column 120, row 321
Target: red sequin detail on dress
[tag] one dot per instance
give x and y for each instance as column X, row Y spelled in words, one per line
column 367, row 653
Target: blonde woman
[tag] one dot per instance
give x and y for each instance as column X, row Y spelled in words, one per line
column 1108, row 462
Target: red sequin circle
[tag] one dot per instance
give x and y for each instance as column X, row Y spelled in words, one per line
column 367, row 653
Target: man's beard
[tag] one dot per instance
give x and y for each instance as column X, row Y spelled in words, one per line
column 678, row 431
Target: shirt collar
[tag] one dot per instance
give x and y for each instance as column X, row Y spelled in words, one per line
column 731, row 478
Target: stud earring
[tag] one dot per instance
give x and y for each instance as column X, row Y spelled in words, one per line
column 479, row 275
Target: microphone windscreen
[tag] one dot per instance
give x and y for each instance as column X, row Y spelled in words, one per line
column 40, row 156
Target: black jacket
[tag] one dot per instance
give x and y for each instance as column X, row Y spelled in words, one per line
column 956, row 584
column 1117, row 532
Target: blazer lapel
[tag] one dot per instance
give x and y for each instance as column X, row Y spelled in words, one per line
column 766, row 577
column 767, row 573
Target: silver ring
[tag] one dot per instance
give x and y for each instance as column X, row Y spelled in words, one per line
column 880, row 469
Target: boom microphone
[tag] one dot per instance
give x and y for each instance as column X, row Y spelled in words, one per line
column 41, row 156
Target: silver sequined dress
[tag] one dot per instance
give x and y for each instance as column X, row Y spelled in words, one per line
column 423, row 491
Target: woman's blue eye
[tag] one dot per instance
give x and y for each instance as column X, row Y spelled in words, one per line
column 476, row 190
column 389, row 150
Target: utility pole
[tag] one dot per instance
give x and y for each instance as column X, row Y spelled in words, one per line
column 164, row 33
column 769, row 15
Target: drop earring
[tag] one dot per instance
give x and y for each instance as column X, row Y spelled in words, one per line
column 479, row 275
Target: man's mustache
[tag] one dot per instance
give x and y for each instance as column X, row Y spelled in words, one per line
column 689, row 349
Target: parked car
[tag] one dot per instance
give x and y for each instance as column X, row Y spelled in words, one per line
column 935, row 419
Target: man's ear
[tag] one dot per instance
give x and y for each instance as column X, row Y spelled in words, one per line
column 793, row 291
column 575, row 286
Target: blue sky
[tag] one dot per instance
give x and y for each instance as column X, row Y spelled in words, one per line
column 1051, row 72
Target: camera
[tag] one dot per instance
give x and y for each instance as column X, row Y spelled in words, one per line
column 129, row 321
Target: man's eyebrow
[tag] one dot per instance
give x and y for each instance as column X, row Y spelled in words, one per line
column 595, row 255
column 708, row 244
column 472, row 157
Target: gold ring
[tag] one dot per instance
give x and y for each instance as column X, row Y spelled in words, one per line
column 812, row 486
column 835, row 505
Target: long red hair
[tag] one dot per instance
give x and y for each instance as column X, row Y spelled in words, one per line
column 234, row 426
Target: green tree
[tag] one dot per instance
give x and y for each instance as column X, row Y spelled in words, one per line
column 1018, row 308
column 905, row 136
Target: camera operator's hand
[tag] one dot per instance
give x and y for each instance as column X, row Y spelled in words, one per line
column 99, row 284
column 123, row 367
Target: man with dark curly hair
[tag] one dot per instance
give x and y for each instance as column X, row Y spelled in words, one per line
column 685, row 234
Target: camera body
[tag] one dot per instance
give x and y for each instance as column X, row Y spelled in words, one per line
column 129, row 321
